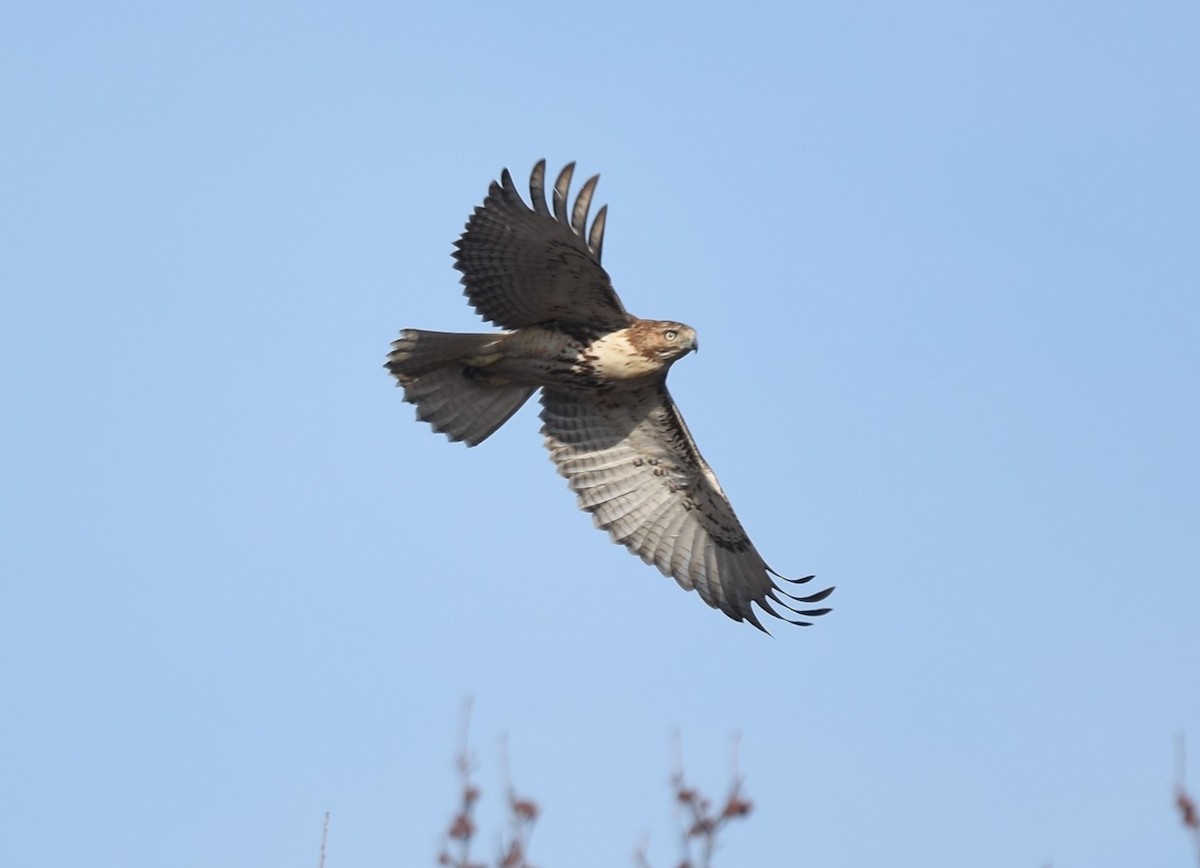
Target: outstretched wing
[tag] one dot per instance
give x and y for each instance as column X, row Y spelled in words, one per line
column 633, row 464
column 522, row 266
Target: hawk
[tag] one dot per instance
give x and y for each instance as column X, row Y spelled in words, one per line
column 608, row 420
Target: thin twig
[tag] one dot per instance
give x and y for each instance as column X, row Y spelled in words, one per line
column 1183, row 800
column 462, row 824
column 324, row 840
column 701, row 825
column 522, row 814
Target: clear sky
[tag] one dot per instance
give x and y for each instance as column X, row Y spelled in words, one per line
column 942, row 259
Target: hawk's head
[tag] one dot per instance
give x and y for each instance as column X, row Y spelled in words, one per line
column 663, row 340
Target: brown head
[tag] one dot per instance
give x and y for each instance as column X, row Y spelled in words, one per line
column 663, row 340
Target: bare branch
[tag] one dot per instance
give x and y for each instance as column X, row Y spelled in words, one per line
column 462, row 824
column 1183, row 800
column 324, row 840
column 700, row 824
column 522, row 814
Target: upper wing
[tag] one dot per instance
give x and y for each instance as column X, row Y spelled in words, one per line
column 522, row 266
column 632, row 462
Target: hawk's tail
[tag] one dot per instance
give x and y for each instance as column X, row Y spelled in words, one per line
column 440, row 374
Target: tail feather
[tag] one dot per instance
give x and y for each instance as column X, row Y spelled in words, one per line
column 436, row 374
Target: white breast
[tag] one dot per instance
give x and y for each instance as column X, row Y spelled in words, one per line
column 617, row 358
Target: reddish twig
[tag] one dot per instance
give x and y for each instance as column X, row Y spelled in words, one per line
column 1183, row 800
column 523, row 813
column 701, row 825
column 462, row 824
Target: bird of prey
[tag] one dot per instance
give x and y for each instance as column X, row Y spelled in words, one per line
column 608, row 420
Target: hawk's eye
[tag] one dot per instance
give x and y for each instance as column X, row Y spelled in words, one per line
column 670, row 334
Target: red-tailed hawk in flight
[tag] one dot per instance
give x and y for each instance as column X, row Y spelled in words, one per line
column 609, row 422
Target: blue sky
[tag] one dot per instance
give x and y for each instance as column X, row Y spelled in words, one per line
column 943, row 262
